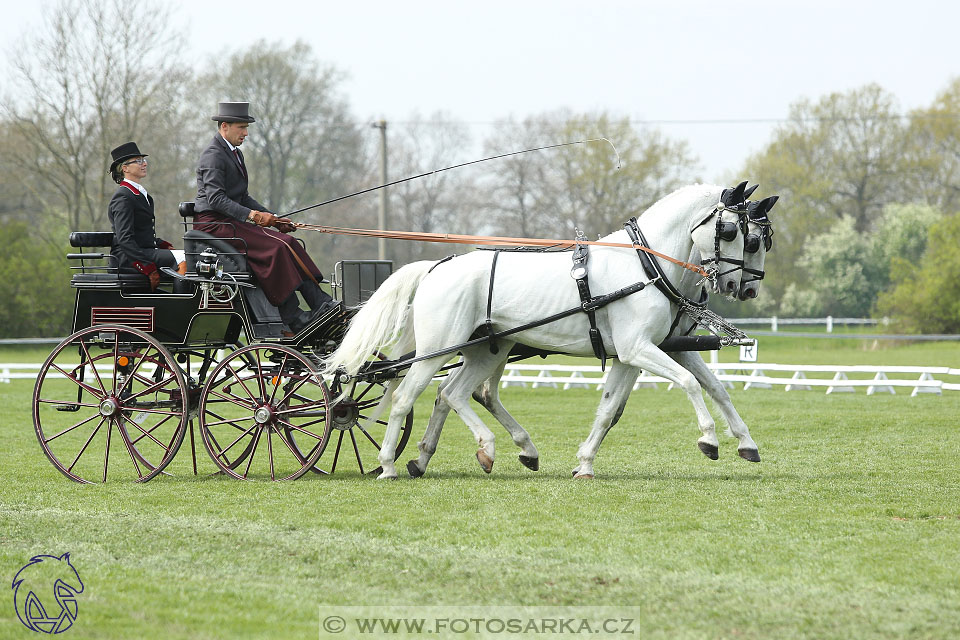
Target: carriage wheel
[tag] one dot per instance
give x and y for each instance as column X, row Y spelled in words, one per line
column 253, row 400
column 110, row 393
column 356, row 431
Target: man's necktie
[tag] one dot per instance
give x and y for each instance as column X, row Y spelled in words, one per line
column 236, row 153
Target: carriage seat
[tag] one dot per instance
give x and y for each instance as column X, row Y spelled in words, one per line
column 266, row 317
column 233, row 260
column 105, row 274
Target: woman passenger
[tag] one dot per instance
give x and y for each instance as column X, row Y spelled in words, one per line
column 135, row 244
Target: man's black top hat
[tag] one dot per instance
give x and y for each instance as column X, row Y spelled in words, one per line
column 124, row 152
column 233, row 112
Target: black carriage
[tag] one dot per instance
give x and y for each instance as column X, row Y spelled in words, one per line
column 204, row 353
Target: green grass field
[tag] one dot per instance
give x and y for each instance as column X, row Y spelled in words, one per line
column 849, row 528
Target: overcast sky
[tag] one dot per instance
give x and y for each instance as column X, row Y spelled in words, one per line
column 666, row 62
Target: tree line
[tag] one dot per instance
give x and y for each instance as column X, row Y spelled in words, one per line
column 864, row 226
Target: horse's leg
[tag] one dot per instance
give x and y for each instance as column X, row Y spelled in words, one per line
column 428, row 444
column 616, row 391
column 488, row 395
column 650, row 358
column 418, row 377
column 693, row 362
column 478, row 365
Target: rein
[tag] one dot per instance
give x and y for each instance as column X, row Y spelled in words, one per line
column 453, row 238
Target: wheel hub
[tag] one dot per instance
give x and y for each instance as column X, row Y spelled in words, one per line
column 344, row 415
column 263, row 414
column 109, row 407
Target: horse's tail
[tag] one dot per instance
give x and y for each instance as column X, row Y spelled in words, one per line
column 382, row 321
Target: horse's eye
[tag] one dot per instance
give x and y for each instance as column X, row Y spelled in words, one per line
column 751, row 243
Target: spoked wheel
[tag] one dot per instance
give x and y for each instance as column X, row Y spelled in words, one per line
column 357, row 429
column 253, row 401
column 110, row 394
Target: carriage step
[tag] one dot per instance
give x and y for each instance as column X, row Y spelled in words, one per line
column 68, row 407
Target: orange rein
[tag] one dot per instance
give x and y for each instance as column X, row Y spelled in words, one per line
column 453, row 238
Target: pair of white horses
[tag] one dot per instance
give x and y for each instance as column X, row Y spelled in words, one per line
column 431, row 307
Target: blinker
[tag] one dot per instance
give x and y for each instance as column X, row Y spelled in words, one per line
column 727, row 231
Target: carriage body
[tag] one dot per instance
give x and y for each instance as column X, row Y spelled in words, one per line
column 141, row 368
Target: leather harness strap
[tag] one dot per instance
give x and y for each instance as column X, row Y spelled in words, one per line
column 492, row 240
column 489, row 323
column 579, row 274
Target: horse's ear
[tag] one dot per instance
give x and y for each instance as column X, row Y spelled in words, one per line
column 733, row 197
column 759, row 210
column 767, row 204
column 749, row 191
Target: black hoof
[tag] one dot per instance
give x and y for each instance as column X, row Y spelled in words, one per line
column 709, row 450
column 530, row 463
column 414, row 469
column 750, row 455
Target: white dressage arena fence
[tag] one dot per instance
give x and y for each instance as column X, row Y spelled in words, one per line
column 752, row 375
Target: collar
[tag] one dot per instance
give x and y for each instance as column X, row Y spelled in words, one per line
column 227, row 142
column 130, row 184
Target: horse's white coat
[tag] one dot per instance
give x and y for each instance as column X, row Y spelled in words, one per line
column 449, row 303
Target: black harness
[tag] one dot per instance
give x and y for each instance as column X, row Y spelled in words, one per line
column 579, row 275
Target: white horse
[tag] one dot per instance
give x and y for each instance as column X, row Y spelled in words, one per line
column 622, row 376
column 758, row 232
column 450, row 302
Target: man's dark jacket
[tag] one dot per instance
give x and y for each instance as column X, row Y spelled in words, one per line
column 222, row 184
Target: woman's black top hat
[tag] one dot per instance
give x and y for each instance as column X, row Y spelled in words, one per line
column 233, row 112
column 124, row 152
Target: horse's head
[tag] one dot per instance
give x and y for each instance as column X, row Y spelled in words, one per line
column 757, row 241
column 719, row 238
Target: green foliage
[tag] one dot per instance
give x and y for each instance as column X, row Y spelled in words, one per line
column 847, row 270
column 839, row 156
column 35, row 289
column 924, row 297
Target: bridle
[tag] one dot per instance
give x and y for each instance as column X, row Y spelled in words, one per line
column 726, row 231
column 751, row 244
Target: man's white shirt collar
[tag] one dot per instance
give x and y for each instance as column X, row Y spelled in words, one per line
column 229, row 146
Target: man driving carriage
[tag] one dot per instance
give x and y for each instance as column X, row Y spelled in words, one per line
column 226, row 209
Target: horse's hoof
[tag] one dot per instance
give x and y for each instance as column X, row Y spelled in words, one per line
column 750, row 455
column 530, row 463
column 486, row 462
column 414, row 469
column 387, row 476
column 583, row 476
column 576, row 470
column 709, row 450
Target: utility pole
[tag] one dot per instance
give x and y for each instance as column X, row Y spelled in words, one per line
column 382, row 215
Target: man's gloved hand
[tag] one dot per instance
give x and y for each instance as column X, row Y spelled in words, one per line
column 285, row 225
column 154, row 280
column 263, row 218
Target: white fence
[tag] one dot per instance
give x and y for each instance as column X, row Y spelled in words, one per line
column 885, row 379
column 753, row 376
column 829, row 321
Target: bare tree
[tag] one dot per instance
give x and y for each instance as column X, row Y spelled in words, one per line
column 581, row 186
column 433, row 203
column 307, row 145
column 91, row 80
